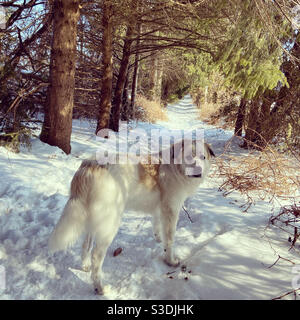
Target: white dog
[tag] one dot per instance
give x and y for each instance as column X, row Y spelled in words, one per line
column 101, row 193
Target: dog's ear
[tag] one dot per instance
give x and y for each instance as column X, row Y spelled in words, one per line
column 209, row 150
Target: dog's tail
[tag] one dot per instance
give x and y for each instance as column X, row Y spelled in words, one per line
column 71, row 225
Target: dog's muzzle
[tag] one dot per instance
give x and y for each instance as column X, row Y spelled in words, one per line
column 196, row 175
column 194, row 172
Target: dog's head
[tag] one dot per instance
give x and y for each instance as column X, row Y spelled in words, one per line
column 193, row 156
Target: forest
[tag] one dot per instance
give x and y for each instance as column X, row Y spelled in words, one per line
column 70, row 69
column 65, row 59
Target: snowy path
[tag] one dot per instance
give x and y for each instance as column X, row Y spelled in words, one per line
column 226, row 251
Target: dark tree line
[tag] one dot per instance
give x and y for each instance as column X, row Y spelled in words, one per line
column 67, row 58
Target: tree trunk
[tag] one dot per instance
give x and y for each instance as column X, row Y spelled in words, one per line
column 156, row 74
column 250, row 136
column 135, row 74
column 158, row 84
column 264, row 128
column 107, row 68
column 165, row 92
column 153, row 76
column 117, row 102
column 125, row 102
column 238, row 130
column 57, row 125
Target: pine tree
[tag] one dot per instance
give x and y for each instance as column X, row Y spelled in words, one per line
column 57, row 125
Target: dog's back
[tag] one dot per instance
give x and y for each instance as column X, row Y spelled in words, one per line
column 96, row 189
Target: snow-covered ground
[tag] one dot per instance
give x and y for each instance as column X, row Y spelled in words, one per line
column 226, row 252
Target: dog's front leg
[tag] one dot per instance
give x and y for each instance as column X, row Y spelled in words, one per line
column 86, row 253
column 156, row 226
column 169, row 222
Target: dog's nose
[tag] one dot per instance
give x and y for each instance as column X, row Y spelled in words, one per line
column 197, row 175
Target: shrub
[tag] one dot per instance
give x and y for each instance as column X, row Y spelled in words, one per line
column 149, row 111
column 265, row 175
column 13, row 140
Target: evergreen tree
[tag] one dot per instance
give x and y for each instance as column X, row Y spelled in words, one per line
column 57, row 125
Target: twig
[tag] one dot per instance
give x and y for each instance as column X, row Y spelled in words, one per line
column 296, row 236
column 293, row 291
column 187, row 214
column 279, row 257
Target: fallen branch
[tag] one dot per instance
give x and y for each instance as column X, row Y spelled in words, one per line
column 288, row 293
column 289, row 217
column 279, row 257
column 187, row 214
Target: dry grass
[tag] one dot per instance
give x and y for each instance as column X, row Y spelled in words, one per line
column 149, row 111
column 259, row 175
column 208, row 110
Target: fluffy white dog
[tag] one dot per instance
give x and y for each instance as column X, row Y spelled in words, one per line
column 101, row 193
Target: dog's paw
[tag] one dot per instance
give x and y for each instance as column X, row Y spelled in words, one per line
column 172, row 263
column 99, row 290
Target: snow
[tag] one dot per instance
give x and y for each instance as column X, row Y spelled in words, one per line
column 225, row 252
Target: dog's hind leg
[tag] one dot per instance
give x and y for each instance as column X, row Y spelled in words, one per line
column 169, row 218
column 86, row 253
column 98, row 255
column 103, row 237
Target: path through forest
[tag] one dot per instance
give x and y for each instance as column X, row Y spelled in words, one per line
column 226, row 251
